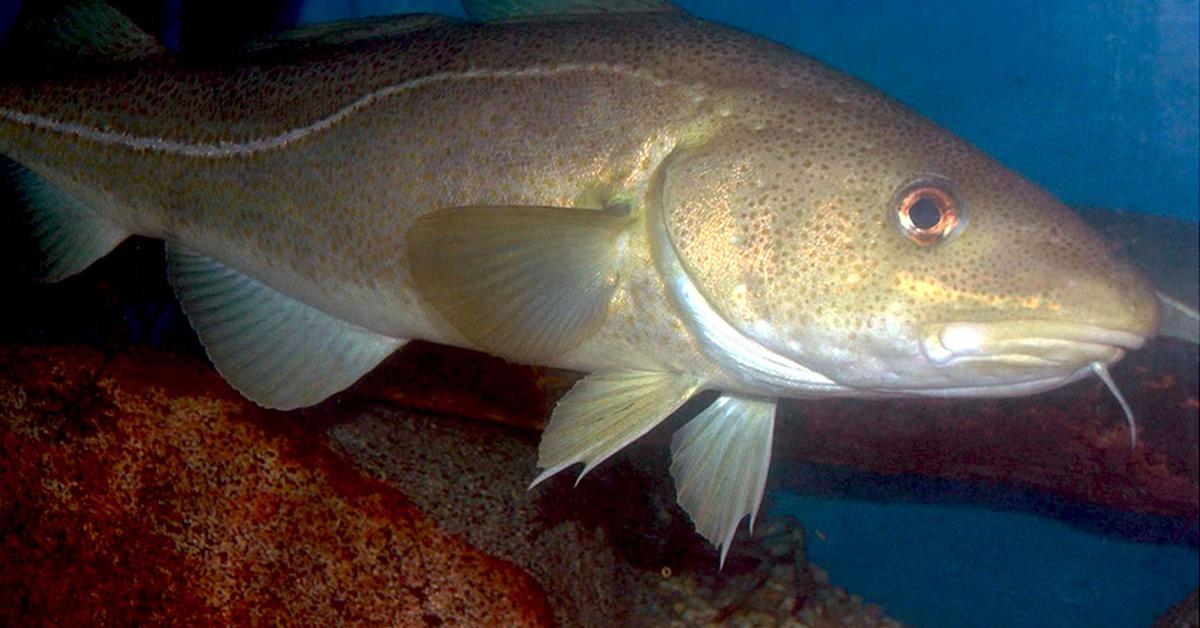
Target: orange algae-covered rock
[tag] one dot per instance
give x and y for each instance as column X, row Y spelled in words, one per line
column 140, row 488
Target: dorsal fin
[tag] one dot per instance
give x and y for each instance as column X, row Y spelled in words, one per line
column 489, row 10
column 55, row 36
column 346, row 31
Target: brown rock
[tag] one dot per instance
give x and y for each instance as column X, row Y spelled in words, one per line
column 468, row 384
column 142, row 489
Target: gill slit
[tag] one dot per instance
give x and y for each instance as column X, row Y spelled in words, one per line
column 1101, row 371
column 758, row 370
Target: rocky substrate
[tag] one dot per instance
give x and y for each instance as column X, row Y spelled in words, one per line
column 137, row 487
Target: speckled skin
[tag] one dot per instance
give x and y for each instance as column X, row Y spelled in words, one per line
column 305, row 166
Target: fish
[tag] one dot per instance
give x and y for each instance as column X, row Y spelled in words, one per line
column 667, row 205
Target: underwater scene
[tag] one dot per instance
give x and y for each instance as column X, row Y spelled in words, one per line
column 600, row 313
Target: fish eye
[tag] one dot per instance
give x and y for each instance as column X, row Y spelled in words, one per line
column 927, row 210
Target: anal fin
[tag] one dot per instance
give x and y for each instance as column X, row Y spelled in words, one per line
column 719, row 461
column 606, row 411
column 278, row 352
column 69, row 235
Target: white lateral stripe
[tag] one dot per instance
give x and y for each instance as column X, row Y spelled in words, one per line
column 253, row 146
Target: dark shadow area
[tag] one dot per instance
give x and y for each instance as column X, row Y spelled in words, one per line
column 196, row 28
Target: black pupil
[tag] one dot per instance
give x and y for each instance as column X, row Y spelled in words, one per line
column 925, row 214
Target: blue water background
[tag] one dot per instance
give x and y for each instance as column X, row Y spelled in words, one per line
column 941, row 565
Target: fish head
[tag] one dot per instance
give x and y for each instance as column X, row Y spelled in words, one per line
column 878, row 250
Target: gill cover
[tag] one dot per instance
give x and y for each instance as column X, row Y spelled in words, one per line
column 722, row 213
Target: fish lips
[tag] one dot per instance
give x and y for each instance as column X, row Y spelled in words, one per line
column 1037, row 344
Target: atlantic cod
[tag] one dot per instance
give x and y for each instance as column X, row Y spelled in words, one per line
column 665, row 204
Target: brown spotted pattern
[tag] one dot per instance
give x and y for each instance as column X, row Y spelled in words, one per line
column 304, row 165
column 786, row 223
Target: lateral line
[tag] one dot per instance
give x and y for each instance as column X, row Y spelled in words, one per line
column 257, row 145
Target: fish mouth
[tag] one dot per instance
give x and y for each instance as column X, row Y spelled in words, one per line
column 1033, row 343
column 1028, row 356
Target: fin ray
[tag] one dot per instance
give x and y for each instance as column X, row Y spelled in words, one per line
column 278, row 352
column 606, row 411
column 720, row 461
column 68, row 233
column 526, row 283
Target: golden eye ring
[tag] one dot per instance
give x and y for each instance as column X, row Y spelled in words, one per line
column 927, row 210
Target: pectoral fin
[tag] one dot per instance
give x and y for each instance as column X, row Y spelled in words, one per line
column 719, row 463
column 606, row 411
column 278, row 352
column 526, row 283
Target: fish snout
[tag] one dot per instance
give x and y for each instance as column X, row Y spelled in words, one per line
column 1089, row 315
column 1036, row 343
column 1124, row 301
